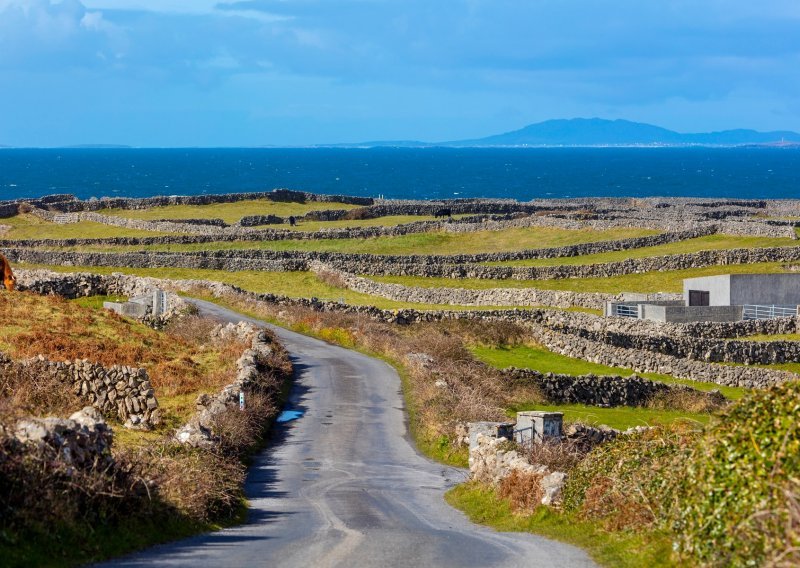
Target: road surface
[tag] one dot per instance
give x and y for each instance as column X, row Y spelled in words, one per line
column 343, row 486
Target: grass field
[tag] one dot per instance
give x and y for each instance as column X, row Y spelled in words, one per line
column 545, row 361
column 291, row 284
column 666, row 281
column 228, row 212
column 439, row 242
column 31, row 227
column 710, row 242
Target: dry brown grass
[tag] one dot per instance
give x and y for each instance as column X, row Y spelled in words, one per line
column 616, row 510
column 24, row 391
column 180, row 360
column 331, row 278
column 557, row 456
column 522, row 490
column 201, row 485
column 688, row 400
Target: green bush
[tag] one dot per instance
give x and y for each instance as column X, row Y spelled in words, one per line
column 735, row 489
column 628, row 483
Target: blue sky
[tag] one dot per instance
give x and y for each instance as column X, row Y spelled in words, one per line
column 293, row 72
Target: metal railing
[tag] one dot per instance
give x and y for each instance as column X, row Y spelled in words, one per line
column 624, row 311
column 753, row 312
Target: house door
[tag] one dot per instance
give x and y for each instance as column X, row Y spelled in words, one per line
column 699, row 297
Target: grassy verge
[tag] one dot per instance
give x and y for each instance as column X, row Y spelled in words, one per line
column 709, row 242
column 619, row 417
column 623, row 550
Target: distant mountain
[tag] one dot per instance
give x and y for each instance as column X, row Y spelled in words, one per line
column 601, row 132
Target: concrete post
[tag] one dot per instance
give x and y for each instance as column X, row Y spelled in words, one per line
column 535, row 426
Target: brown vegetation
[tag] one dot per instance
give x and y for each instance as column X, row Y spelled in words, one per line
column 179, row 361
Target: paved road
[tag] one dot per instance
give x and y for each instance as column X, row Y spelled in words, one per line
column 343, row 486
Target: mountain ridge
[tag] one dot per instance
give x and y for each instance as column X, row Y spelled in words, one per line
column 598, row 132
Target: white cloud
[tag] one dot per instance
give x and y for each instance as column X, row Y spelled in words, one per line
column 173, row 6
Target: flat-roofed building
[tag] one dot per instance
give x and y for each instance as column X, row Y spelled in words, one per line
column 723, row 297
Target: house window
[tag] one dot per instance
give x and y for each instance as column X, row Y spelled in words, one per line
column 699, row 298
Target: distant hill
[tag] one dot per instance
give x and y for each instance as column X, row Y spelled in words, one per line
column 601, row 132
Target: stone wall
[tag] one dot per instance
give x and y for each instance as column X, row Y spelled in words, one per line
column 604, row 390
column 492, row 461
column 250, row 378
column 650, row 362
column 151, row 259
column 689, row 347
column 68, row 203
column 119, row 390
column 547, row 326
column 465, row 297
column 82, row 441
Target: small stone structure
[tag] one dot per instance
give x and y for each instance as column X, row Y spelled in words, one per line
column 155, row 305
column 537, row 427
column 82, row 441
column 499, row 430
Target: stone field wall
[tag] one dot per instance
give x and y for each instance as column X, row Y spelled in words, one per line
column 121, row 391
column 545, row 325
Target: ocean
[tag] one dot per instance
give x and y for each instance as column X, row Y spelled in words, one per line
column 409, row 173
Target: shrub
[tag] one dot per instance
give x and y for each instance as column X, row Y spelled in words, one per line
column 738, row 492
column 628, row 483
column 359, row 214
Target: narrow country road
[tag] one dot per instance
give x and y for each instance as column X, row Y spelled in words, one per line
column 343, row 486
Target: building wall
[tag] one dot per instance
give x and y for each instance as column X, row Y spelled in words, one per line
column 765, row 289
column 718, row 287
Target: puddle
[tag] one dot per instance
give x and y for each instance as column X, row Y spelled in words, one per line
column 289, row 415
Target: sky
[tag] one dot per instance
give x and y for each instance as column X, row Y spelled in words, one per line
column 298, row 72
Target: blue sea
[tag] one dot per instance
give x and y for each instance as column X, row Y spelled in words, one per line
column 411, row 173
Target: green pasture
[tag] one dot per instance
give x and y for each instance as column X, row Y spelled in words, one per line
column 26, row 227
column 435, row 242
column 664, row 281
column 291, row 284
column 228, row 212
column 545, row 361
column 710, row 242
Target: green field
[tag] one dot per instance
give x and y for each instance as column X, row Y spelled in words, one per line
column 26, row 227
column 619, row 417
column 291, row 284
column 710, row 242
column 437, row 242
column 545, row 361
column 228, row 212
column 666, row 281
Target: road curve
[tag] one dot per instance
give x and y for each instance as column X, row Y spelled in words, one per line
column 343, row 486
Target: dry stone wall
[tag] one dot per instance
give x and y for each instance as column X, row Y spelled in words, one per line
column 464, row 297
column 121, row 391
column 83, row 440
column 546, row 325
column 650, row 362
column 199, row 430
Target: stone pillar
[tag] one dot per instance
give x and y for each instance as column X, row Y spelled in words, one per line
column 490, row 429
column 535, row 426
column 159, row 302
